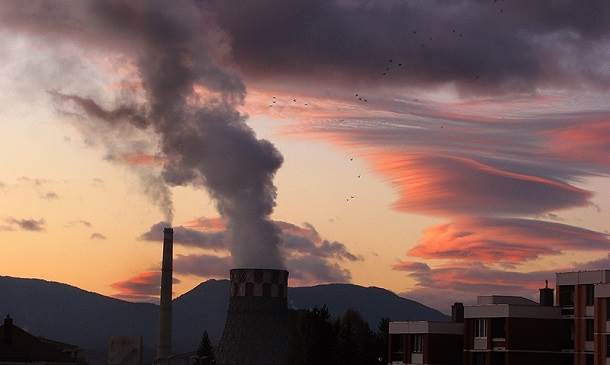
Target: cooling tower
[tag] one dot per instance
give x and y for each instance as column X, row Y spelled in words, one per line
column 257, row 330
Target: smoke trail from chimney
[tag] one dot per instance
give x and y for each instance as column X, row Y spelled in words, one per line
column 204, row 144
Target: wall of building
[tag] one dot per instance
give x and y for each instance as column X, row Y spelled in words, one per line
column 452, row 349
column 534, row 334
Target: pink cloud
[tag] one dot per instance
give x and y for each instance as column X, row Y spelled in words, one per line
column 143, row 287
column 504, row 240
column 447, row 186
column 583, row 142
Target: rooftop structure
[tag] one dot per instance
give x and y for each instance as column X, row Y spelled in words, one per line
column 18, row 346
column 420, row 342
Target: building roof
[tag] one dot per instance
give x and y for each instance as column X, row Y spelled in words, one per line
column 583, row 277
column 511, row 311
column 17, row 345
column 602, row 291
column 423, row 327
column 504, row 299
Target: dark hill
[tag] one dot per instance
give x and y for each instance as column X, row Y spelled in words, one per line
column 372, row 302
column 69, row 314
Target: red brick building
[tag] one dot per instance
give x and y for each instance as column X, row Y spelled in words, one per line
column 507, row 330
column 426, row 342
column 583, row 299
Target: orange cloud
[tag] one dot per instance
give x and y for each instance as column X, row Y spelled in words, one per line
column 142, row 159
column 446, row 185
column 585, row 142
column 143, row 287
column 506, row 241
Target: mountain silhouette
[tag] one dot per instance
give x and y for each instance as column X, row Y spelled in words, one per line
column 69, row 314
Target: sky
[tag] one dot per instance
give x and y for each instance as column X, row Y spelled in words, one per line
column 442, row 150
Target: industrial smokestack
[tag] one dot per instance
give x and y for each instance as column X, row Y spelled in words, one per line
column 457, row 312
column 257, row 330
column 164, row 347
column 546, row 295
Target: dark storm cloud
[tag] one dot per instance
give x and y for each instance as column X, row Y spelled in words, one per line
column 32, row 225
column 174, row 50
column 480, row 46
column 203, row 265
column 187, row 237
column 309, row 257
column 307, row 240
column 211, row 233
column 304, row 269
column 314, row 270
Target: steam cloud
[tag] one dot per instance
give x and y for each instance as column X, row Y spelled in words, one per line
column 203, row 144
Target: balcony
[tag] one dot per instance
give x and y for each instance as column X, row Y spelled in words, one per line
column 480, row 343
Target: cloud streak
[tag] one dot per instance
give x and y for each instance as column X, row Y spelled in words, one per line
column 309, row 257
column 143, row 287
column 507, row 241
column 26, row 224
column 525, row 46
column 97, row 236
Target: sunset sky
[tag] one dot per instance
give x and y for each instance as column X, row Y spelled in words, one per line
column 442, row 150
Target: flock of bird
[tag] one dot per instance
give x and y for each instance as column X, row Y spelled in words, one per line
column 274, row 101
column 390, row 67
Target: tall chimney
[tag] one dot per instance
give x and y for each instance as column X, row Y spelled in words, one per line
column 164, row 348
column 457, row 312
column 546, row 295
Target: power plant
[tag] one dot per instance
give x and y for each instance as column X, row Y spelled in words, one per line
column 257, row 329
column 258, row 326
column 164, row 347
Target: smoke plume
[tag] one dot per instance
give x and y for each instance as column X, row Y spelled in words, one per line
column 187, row 100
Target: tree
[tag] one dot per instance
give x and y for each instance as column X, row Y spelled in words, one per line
column 205, row 351
column 383, row 330
column 315, row 337
column 355, row 340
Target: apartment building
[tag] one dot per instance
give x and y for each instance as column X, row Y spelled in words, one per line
column 509, row 330
column 426, row 342
column 571, row 328
column 583, row 298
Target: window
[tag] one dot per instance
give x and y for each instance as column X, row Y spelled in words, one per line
column 417, row 344
column 607, row 309
column 398, row 347
column 280, row 291
column 498, row 328
column 590, row 294
column 568, row 338
column 249, row 289
column 589, row 325
column 235, row 290
column 589, row 359
column 566, row 295
column 478, row 358
column 266, row 290
column 607, row 346
column 480, row 328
